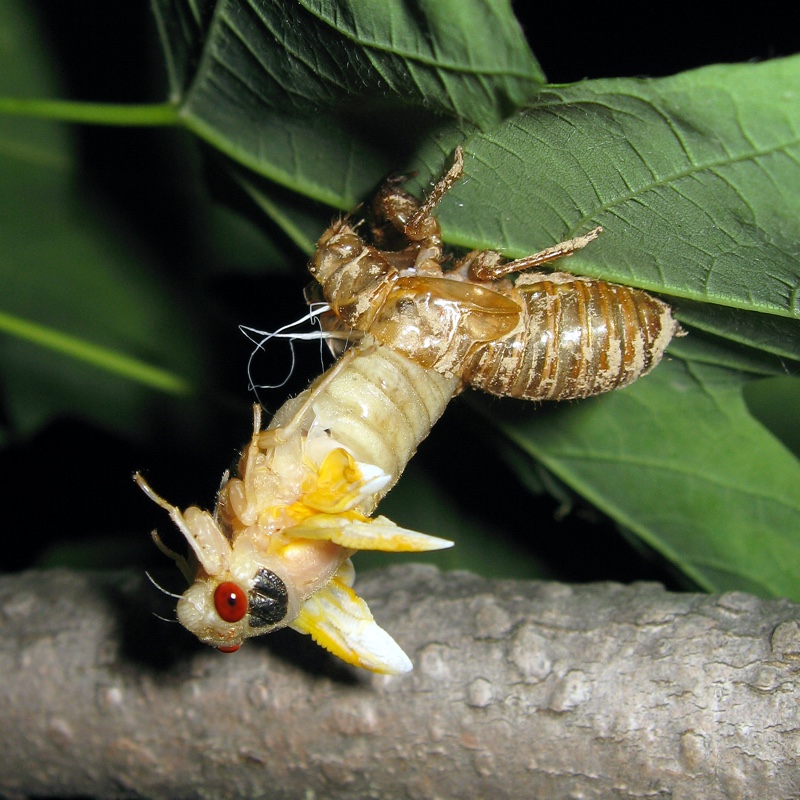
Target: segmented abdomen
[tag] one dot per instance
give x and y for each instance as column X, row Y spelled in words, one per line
column 581, row 337
column 380, row 405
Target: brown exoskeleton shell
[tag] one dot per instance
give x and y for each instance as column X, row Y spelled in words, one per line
column 545, row 337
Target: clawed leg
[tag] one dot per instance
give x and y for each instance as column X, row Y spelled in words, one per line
column 487, row 266
column 256, row 419
column 416, row 228
column 146, row 488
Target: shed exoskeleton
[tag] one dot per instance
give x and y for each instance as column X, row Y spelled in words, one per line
column 546, row 336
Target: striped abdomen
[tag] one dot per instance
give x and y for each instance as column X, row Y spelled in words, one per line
column 580, row 337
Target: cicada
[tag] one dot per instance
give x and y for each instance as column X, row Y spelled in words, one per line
column 276, row 551
column 546, row 336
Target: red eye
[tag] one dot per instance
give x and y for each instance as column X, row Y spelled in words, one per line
column 229, row 648
column 230, row 601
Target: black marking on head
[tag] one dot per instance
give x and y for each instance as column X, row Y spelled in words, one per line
column 268, row 599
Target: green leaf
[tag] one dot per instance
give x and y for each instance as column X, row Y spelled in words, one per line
column 301, row 225
column 183, row 26
column 80, row 309
column 695, row 179
column 309, row 93
column 682, row 174
column 776, row 336
column 93, row 354
column 713, row 350
column 678, row 459
column 768, row 401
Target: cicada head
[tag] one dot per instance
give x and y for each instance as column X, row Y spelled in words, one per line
column 255, row 591
column 224, row 610
column 339, row 246
column 244, row 585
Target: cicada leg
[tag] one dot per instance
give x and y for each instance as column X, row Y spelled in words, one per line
column 200, row 529
column 417, row 228
column 421, row 229
column 488, row 265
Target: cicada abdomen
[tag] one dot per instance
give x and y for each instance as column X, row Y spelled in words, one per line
column 578, row 337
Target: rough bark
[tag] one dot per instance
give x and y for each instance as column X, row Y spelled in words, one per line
column 520, row 690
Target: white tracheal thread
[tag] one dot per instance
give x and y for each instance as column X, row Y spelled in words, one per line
column 260, row 338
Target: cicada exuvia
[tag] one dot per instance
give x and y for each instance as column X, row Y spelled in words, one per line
column 545, row 336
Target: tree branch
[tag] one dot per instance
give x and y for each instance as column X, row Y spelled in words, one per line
column 519, row 690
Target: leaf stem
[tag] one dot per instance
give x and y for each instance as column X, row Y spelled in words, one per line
column 92, row 113
column 96, row 355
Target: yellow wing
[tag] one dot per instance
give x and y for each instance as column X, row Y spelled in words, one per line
column 340, row 621
column 363, row 533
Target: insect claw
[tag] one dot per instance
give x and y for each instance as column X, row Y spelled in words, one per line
column 256, row 418
column 442, row 187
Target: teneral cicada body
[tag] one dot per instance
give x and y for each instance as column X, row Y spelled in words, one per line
column 544, row 337
column 276, row 552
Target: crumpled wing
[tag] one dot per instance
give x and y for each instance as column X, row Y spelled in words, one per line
column 340, row 621
column 379, row 533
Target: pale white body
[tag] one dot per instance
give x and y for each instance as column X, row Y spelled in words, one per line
column 376, row 402
column 284, row 530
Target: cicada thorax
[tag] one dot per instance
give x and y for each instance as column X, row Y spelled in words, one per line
column 439, row 322
column 579, row 337
column 355, row 277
